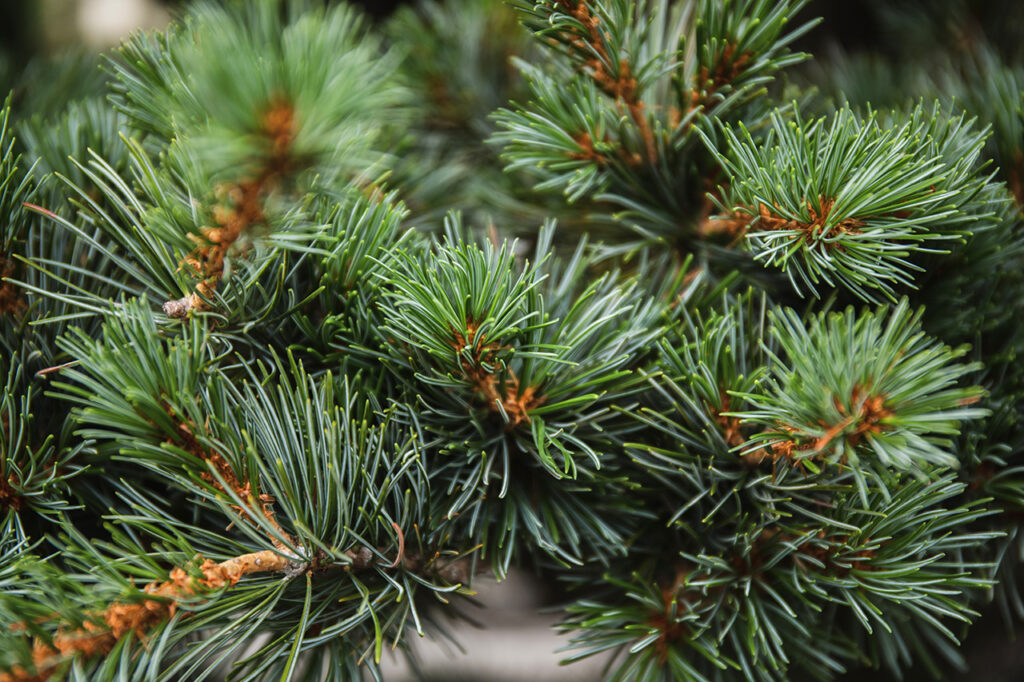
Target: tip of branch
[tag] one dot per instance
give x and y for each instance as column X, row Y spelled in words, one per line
column 180, row 308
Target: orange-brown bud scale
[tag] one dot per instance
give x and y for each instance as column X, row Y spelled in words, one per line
column 98, row 635
column 622, row 86
column 500, row 393
column 240, row 207
column 225, row 473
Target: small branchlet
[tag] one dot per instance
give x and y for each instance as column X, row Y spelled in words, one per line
column 848, row 200
column 202, row 581
column 826, row 403
column 500, row 389
column 185, row 432
column 159, row 602
column 240, row 208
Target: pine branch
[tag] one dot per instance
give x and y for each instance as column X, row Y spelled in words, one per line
column 691, row 625
column 871, row 392
column 619, row 122
column 256, row 419
column 851, row 202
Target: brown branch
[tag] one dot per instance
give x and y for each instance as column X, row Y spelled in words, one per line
column 811, row 231
column 665, row 621
column 587, row 151
column 707, row 82
column 10, row 498
column 240, row 207
column 734, row 437
column 730, row 425
column 621, row 86
column 224, row 472
column 867, row 420
column 732, row 225
column 101, row 631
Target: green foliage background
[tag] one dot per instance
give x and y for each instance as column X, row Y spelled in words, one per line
column 307, row 321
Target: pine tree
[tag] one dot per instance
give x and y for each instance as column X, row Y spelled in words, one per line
column 307, row 322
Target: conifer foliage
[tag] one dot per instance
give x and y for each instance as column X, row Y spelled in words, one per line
column 306, row 323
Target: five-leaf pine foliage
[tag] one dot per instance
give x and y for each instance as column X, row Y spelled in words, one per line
column 266, row 412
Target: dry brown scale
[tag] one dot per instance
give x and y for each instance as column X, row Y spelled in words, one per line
column 622, row 86
column 240, row 208
column 98, row 635
column 501, row 393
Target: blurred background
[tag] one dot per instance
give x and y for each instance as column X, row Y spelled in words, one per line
column 27, row 25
